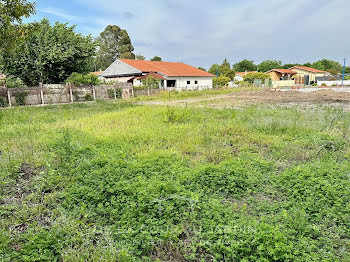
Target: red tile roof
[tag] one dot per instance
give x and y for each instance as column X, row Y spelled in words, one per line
column 283, row 71
column 308, row 69
column 154, row 75
column 166, row 68
column 244, row 73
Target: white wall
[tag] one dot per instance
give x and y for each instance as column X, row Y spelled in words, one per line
column 202, row 81
column 283, row 83
column 330, row 83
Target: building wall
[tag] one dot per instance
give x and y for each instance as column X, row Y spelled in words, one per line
column 181, row 82
column 275, row 76
column 312, row 75
column 283, row 83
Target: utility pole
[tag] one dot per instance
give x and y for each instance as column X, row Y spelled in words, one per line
column 344, row 72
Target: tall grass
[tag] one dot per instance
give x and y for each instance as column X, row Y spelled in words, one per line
column 111, row 181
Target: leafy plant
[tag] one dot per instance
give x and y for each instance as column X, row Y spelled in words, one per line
column 13, row 82
column 75, row 94
column 81, row 79
column 21, row 98
column 3, row 102
column 221, row 81
column 252, row 76
column 150, row 82
column 88, row 97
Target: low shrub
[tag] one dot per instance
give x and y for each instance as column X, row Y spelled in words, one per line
column 75, row 94
column 80, row 79
column 115, row 93
column 221, row 81
column 323, row 84
column 88, row 97
column 3, row 102
column 21, row 98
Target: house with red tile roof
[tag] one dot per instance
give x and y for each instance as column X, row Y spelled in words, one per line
column 281, row 74
column 170, row 75
column 309, row 74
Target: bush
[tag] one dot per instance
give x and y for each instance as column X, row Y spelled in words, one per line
column 80, row 79
column 314, row 84
column 88, row 97
column 221, row 81
column 75, row 93
column 21, row 98
column 251, row 77
column 12, row 82
column 323, row 84
column 115, row 93
column 3, row 102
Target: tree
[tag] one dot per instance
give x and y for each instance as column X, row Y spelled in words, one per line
column 223, row 70
column 226, row 63
column 347, row 70
column 244, row 65
column 140, row 57
column 287, row 66
column 252, row 76
column 267, row 65
column 203, row 69
column 150, row 82
column 221, row 81
column 156, row 58
column 113, row 43
column 11, row 28
column 308, row 64
column 331, row 66
column 50, row 54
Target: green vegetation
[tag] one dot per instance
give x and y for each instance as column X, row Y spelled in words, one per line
column 111, row 181
column 221, row 81
column 222, row 70
column 11, row 28
column 267, row 65
column 12, row 82
column 252, row 76
column 81, row 79
column 50, row 54
column 113, row 43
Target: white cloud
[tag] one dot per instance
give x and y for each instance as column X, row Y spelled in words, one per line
column 202, row 32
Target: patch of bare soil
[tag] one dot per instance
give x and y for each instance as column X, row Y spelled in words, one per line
column 246, row 98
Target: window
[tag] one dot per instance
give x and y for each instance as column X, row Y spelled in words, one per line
column 196, row 82
column 188, row 82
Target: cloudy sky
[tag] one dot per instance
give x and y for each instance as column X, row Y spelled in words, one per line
column 203, row 32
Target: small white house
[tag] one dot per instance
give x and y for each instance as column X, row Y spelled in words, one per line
column 170, row 75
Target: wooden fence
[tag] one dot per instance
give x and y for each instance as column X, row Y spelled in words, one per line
column 56, row 94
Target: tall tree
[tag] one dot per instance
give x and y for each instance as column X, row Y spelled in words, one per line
column 156, row 58
column 203, row 69
column 222, row 70
column 113, row 43
column 244, row 65
column 11, row 28
column 226, row 63
column 267, row 65
column 50, row 54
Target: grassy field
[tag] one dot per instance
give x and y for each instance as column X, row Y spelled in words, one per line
column 115, row 181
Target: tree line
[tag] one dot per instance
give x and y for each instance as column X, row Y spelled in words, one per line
column 50, row 53
column 225, row 68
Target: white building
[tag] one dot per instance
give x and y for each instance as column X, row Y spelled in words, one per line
column 170, row 75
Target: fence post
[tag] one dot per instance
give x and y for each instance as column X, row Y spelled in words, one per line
column 9, row 98
column 71, row 94
column 132, row 91
column 41, row 93
column 115, row 93
column 148, row 91
column 93, row 92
